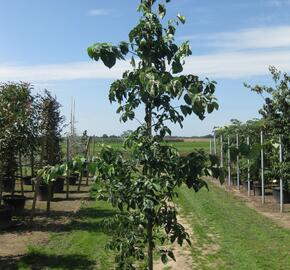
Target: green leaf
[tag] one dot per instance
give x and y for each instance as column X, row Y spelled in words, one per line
column 185, row 110
column 176, row 66
column 161, row 10
column 187, row 99
column 210, row 108
column 181, row 18
column 171, row 255
column 124, row 47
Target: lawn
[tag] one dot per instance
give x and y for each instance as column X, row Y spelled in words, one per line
column 229, row 235
column 226, row 235
column 79, row 245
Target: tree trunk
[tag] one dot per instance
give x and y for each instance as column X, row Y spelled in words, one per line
column 21, row 175
column 150, row 244
column 1, row 188
column 32, row 168
column 150, row 247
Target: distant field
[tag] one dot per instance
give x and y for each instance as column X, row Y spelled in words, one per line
column 183, row 147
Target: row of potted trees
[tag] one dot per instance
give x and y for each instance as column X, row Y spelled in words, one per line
column 30, row 127
column 275, row 126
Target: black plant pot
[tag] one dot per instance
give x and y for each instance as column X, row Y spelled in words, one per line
column 276, row 195
column 73, row 179
column 58, row 185
column 42, row 194
column 27, row 180
column 85, row 173
column 8, row 184
column 5, row 217
column 257, row 189
column 245, row 185
column 15, row 202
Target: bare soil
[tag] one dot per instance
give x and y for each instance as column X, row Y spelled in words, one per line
column 182, row 253
column 15, row 240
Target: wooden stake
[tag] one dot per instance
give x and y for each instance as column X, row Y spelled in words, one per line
column 68, row 172
column 49, row 197
column 34, row 199
column 80, row 181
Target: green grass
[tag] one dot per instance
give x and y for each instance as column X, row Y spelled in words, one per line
column 182, row 147
column 229, row 235
column 79, row 245
column 187, row 147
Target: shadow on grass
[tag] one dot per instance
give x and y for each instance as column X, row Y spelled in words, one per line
column 36, row 260
column 87, row 219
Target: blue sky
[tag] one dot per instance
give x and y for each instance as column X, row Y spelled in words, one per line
column 44, row 42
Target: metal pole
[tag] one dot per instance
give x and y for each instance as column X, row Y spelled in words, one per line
column 222, row 158
column 249, row 184
column 238, row 163
column 229, row 161
column 262, row 169
column 281, row 180
column 214, row 145
column 68, row 171
column 210, row 146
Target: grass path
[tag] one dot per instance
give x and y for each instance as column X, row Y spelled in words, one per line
column 229, row 235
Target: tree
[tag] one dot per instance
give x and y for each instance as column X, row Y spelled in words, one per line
column 144, row 185
column 18, row 125
column 126, row 133
column 51, row 124
column 276, row 115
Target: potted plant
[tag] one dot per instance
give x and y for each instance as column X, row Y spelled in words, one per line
column 5, row 217
column 48, row 176
column 286, row 193
column 51, row 123
column 17, row 135
column 15, row 202
column 276, row 115
column 281, row 170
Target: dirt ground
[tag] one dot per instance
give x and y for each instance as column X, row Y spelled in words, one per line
column 182, row 254
column 15, row 240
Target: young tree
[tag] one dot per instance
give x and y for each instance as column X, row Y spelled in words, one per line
column 51, row 124
column 18, row 124
column 276, row 115
column 144, row 185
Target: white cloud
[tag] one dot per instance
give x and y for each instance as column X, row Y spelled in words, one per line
column 98, row 12
column 278, row 3
column 56, row 72
column 254, row 38
column 216, row 65
column 237, row 64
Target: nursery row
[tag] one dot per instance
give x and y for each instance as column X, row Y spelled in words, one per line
column 257, row 153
